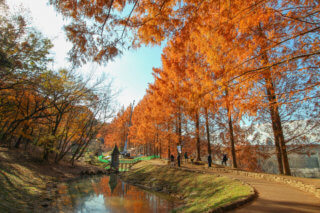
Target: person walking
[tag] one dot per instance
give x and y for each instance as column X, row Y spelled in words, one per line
column 186, row 157
column 209, row 160
column 179, row 160
column 171, row 161
column 224, row 159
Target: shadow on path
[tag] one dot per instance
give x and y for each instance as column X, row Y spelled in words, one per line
column 264, row 205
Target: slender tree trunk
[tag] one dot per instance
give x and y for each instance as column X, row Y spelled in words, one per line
column 169, row 151
column 83, row 149
column 18, row 142
column 282, row 157
column 232, row 141
column 13, row 126
column 28, row 140
column 169, row 143
column 145, row 150
column 45, row 154
column 160, row 149
column 24, row 131
column 198, row 136
column 233, row 150
column 179, row 130
column 283, row 162
column 208, row 131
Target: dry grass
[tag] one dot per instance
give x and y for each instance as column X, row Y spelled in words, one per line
column 25, row 181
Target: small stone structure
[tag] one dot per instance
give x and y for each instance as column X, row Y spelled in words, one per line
column 115, row 158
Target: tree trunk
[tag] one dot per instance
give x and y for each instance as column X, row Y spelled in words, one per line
column 282, row 157
column 169, row 143
column 45, row 154
column 208, row 131
column 179, row 130
column 232, row 141
column 233, row 150
column 281, row 150
column 198, row 136
column 160, row 149
column 18, row 142
column 28, row 140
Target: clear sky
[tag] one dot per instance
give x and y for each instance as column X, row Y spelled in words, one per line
column 130, row 72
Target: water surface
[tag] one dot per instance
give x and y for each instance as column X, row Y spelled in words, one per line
column 109, row 194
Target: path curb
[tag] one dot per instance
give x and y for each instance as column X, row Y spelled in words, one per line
column 276, row 178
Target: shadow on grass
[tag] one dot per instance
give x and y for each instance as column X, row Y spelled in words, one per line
column 14, row 197
column 200, row 192
column 21, row 185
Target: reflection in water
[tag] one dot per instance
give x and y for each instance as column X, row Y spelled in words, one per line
column 113, row 182
column 109, row 194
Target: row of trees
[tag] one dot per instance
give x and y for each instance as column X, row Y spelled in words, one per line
column 228, row 66
column 58, row 111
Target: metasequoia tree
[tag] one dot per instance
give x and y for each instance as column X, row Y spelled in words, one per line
column 100, row 29
column 118, row 128
column 169, row 86
column 261, row 56
column 149, row 124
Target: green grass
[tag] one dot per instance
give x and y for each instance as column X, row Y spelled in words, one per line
column 199, row 192
column 106, row 163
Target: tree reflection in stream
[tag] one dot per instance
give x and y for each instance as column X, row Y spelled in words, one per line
column 108, row 194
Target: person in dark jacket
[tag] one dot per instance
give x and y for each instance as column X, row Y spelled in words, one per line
column 171, row 161
column 179, row 160
column 224, row 159
column 186, row 157
column 209, row 160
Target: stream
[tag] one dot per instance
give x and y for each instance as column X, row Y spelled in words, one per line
column 109, row 194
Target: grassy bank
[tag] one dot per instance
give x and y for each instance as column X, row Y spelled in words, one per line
column 26, row 181
column 199, row 192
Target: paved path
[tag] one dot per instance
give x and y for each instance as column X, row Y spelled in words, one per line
column 277, row 197
column 272, row 196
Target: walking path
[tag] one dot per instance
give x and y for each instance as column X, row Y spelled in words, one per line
column 277, row 197
column 272, row 196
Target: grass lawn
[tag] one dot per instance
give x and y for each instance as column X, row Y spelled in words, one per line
column 198, row 192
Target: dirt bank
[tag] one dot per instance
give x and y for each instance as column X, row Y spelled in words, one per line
column 27, row 183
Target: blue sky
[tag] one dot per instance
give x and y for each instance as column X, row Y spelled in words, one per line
column 130, row 72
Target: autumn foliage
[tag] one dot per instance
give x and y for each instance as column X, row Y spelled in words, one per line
column 227, row 67
column 59, row 112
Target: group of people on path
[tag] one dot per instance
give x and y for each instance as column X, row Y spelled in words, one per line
column 172, row 163
column 178, row 159
column 224, row 160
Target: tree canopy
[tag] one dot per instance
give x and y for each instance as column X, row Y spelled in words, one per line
column 58, row 112
column 227, row 64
